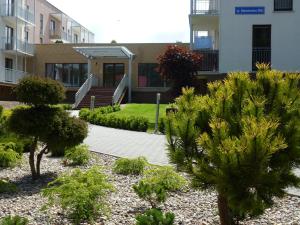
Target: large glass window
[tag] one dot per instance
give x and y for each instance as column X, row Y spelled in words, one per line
column 148, row 75
column 283, row 5
column 71, row 75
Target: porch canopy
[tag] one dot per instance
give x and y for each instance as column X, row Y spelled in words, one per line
column 120, row 52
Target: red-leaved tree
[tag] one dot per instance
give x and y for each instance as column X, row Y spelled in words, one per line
column 180, row 65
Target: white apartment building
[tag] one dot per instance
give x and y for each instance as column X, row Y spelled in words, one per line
column 24, row 23
column 234, row 35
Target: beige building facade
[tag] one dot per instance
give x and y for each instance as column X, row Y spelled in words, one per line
column 24, row 23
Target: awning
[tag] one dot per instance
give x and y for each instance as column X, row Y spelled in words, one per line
column 105, row 52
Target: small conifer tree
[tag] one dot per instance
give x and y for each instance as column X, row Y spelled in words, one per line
column 242, row 140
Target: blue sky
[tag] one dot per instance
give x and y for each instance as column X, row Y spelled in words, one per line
column 131, row 20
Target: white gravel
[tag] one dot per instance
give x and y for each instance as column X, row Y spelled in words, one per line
column 191, row 207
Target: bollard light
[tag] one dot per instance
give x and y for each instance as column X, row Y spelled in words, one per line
column 157, row 112
column 92, row 106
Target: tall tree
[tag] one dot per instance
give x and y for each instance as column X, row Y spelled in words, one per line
column 242, row 140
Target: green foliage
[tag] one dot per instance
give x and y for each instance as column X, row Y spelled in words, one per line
column 42, row 122
column 155, row 217
column 166, row 177
column 7, row 187
column 15, row 220
column 65, row 106
column 86, row 113
column 51, row 125
column 161, row 125
column 242, row 139
column 97, row 117
column 82, row 195
column 37, row 91
column 153, row 193
column 10, row 154
column 156, row 184
column 130, row 166
column 78, row 155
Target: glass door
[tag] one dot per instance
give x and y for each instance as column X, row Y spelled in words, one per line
column 261, row 45
column 113, row 74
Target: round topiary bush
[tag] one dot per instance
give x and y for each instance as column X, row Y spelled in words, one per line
column 36, row 90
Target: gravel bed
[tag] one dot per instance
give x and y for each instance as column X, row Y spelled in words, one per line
column 191, row 207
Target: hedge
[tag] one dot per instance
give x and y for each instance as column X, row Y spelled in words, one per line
column 103, row 116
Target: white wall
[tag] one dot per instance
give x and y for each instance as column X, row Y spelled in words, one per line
column 236, row 36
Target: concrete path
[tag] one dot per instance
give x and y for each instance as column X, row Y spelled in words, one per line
column 129, row 144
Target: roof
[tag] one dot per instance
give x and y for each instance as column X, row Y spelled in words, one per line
column 105, row 52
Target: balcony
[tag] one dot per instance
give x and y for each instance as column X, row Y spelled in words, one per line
column 60, row 35
column 9, row 10
column 210, row 60
column 205, row 7
column 11, row 44
column 260, row 55
column 11, row 76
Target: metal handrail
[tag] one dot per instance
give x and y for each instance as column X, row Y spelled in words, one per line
column 120, row 89
column 11, row 76
column 22, row 46
column 204, row 7
column 83, row 90
column 21, row 12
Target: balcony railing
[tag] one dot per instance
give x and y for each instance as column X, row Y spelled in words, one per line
column 204, row 7
column 260, row 55
column 11, row 44
column 283, row 5
column 19, row 11
column 60, row 35
column 11, row 76
column 210, row 60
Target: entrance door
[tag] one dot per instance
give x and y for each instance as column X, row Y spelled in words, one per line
column 261, row 45
column 113, row 74
column 8, row 70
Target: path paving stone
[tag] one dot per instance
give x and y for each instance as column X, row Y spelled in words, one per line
column 130, row 144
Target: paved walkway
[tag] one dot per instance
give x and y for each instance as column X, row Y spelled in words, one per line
column 130, row 144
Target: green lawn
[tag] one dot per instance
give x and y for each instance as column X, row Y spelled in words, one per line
column 146, row 110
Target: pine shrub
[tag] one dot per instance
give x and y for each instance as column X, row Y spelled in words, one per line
column 7, row 187
column 242, row 140
column 82, row 195
column 78, row 155
column 14, row 220
column 10, row 154
column 130, row 166
column 155, row 217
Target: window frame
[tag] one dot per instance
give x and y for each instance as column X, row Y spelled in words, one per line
column 284, row 9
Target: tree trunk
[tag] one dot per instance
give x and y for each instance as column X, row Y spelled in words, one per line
column 31, row 159
column 224, row 212
column 38, row 161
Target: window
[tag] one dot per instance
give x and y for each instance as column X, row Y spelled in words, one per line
column 71, row 75
column 26, row 36
column 75, row 38
column 41, row 41
column 283, row 5
column 52, row 25
column 10, row 6
column 148, row 76
column 9, row 38
column 8, row 63
column 42, row 24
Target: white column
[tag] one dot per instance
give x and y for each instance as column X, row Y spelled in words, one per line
column 89, row 66
column 191, row 37
column 130, row 79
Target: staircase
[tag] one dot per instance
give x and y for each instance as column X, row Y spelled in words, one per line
column 103, row 97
